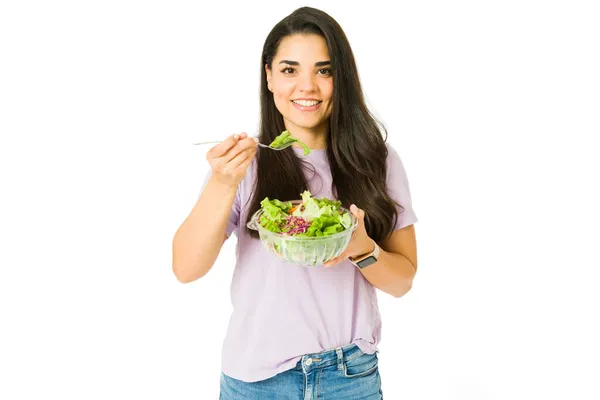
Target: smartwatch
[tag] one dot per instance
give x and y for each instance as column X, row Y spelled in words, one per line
column 365, row 260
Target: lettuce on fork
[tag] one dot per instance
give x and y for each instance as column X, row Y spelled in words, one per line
column 286, row 137
column 313, row 217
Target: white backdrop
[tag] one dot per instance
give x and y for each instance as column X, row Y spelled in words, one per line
column 492, row 106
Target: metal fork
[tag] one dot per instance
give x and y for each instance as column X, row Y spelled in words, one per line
column 285, row 146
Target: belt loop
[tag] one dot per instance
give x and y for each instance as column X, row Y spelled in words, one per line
column 340, row 358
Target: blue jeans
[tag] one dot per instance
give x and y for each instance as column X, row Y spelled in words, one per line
column 344, row 373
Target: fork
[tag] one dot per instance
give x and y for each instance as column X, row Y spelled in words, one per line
column 285, row 146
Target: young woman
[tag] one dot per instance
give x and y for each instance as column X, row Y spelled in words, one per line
column 299, row 332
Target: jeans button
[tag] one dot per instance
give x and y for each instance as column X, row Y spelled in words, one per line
column 309, row 361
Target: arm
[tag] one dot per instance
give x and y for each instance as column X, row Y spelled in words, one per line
column 199, row 239
column 396, row 265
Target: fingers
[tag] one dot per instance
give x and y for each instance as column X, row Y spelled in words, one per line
column 334, row 261
column 241, row 146
column 230, row 158
column 220, row 149
column 358, row 213
column 241, row 157
column 242, row 167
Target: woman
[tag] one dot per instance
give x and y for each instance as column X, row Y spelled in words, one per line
column 299, row 332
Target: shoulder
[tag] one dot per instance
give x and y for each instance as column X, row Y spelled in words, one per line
column 397, row 183
column 393, row 161
column 392, row 153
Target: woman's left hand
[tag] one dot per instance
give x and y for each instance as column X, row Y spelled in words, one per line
column 360, row 242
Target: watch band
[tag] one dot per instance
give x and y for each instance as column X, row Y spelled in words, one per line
column 366, row 259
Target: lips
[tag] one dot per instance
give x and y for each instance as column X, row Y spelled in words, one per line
column 307, row 105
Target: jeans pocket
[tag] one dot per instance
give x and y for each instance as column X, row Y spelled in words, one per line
column 364, row 365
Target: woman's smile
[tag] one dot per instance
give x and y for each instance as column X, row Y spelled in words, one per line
column 307, row 105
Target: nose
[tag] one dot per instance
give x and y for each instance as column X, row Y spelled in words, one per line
column 307, row 82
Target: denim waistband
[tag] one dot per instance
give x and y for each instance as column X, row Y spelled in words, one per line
column 327, row 358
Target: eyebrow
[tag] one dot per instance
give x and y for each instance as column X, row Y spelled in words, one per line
column 317, row 64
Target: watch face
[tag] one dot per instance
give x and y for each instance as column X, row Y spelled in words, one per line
column 366, row 262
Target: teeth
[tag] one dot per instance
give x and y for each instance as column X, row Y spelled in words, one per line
column 306, row 103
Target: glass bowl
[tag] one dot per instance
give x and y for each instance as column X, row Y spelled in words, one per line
column 306, row 251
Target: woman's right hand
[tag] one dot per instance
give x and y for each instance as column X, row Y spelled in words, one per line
column 230, row 159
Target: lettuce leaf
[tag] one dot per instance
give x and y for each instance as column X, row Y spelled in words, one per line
column 286, row 137
column 274, row 214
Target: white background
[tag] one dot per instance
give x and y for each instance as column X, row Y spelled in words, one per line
column 492, row 106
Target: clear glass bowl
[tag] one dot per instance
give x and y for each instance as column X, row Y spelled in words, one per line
column 306, row 251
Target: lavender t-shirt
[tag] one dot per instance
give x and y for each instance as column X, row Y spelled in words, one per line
column 282, row 311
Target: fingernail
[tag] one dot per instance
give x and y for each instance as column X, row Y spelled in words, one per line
column 236, row 137
column 256, row 140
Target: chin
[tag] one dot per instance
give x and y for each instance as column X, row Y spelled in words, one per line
column 306, row 124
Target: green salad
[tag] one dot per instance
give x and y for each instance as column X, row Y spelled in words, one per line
column 286, row 137
column 312, row 217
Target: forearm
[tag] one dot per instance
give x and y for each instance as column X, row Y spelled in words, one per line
column 392, row 273
column 199, row 239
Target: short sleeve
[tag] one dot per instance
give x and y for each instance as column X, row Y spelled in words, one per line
column 399, row 189
column 234, row 216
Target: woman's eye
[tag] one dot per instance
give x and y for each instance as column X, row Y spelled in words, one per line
column 325, row 71
column 288, row 70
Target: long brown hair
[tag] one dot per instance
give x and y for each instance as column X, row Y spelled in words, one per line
column 355, row 145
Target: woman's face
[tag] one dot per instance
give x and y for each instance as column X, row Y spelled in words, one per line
column 302, row 83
